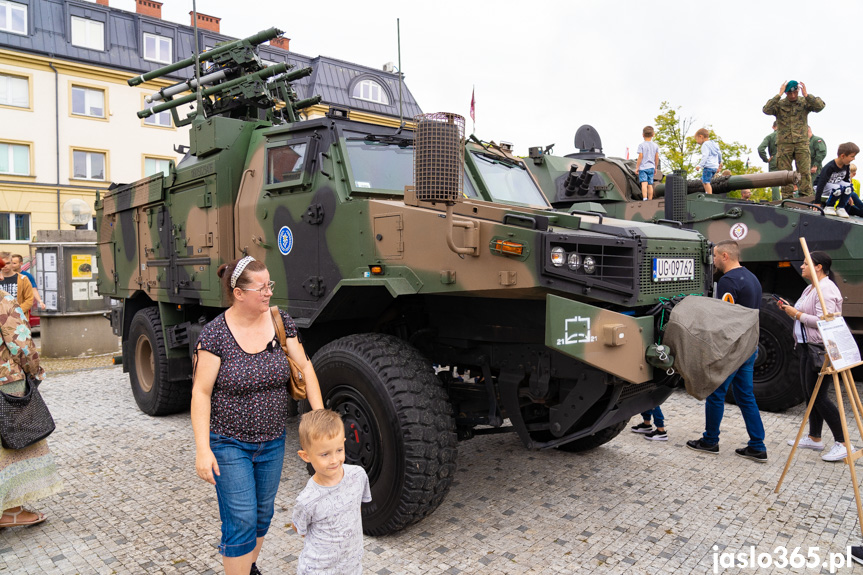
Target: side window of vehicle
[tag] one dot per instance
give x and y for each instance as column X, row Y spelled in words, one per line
column 289, row 163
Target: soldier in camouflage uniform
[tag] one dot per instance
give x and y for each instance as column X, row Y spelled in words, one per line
column 792, row 138
column 767, row 152
column 818, row 151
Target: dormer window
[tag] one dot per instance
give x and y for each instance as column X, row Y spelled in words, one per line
column 370, row 91
column 158, row 48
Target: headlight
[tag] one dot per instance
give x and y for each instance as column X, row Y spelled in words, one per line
column 589, row 265
column 574, row 262
column 558, row 256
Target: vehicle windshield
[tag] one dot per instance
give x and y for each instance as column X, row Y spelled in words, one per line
column 508, row 182
column 386, row 166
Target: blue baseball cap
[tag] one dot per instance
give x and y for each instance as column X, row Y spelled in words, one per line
column 791, row 86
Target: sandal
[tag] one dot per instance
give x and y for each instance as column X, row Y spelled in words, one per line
column 40, row 517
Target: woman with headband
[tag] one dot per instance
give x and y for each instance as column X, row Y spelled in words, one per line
column 240, row 407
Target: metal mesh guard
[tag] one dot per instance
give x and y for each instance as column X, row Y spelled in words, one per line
column 439, row 157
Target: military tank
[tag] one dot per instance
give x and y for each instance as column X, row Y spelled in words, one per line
column 768, row 234
column 388, row 253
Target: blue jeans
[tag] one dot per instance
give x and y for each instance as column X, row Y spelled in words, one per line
column 656, row 413
column 707, row 174
column 714, row 408
column 857, row 208
column 246, row 489
column 839, row 197
column 646, row 175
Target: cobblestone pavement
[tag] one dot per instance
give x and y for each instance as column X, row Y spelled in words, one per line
column 132, row 503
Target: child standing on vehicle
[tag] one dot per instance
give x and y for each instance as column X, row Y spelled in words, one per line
column 648, row 158
column 646, row 427
column 327, row 512
column 711, row 158
column 834, row 182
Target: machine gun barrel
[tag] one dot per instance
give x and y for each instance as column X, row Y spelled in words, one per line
column 259, row 75
column 724, row 184
column 254, row 40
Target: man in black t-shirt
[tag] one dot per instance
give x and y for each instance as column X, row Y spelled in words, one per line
column 738, row 286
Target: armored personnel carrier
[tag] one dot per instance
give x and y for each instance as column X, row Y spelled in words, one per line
column 388, row 252
column 768, row 235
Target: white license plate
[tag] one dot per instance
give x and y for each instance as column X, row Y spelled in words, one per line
column 673, row 269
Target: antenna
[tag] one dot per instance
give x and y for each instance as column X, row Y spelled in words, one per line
column 399, row 36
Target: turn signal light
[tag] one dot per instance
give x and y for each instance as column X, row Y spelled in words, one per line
column 508, row 247
column 377, row 270
column 784, row 264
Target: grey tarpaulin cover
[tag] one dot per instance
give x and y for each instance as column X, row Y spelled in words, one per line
column 709, row 339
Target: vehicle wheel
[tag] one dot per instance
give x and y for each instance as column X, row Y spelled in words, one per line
column 398, row 424
column 776, row 379
column 600, row 437
column 154, row 394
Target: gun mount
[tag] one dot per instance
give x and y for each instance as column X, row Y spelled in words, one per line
column 231, row 81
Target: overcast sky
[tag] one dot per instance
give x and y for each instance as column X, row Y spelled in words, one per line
column 543, row 68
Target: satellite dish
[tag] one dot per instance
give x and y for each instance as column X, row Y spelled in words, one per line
column 76, row 212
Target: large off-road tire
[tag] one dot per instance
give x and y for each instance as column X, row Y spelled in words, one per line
column 599, row 438
column 776, row 379
column 398, row 425
column 148, row 374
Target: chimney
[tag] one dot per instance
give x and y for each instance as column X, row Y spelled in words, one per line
column 102, row 2
column 281, row 42
column 205, row 22
column 147, row 8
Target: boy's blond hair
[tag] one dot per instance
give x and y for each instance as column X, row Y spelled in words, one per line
column 647, row 132
column 852, row 167
column 319, row 424
column 703, row 132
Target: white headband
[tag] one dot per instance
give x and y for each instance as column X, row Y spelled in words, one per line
column 238, row 271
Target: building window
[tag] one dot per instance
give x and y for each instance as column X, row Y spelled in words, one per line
column 13, row 17
column 14, row 91
column 88, row 33
column 14, row 227
column 162, row 119
column 15, row 159
column 88, row 102
column 157, row 48
column 371, row 91
column 88, row 165
column 155, row 165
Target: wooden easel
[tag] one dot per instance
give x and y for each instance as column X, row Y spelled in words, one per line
column 850, row 389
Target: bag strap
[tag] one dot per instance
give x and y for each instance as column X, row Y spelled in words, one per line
column 279, row 324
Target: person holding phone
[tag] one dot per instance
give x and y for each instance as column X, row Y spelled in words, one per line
column 806, row 312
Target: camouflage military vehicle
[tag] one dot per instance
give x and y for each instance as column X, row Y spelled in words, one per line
column 768, row 235
column 554, row 315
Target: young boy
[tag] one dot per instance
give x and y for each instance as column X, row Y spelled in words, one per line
column 648, row 158
column 711, row 158
column 658, row 434
column 834, row 182
column 327, row 512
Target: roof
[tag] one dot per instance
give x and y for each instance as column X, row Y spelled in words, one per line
column 49, row 34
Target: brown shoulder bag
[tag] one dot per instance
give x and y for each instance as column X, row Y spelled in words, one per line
column 297, row 384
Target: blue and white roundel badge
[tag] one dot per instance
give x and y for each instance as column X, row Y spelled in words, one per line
column 286, row 240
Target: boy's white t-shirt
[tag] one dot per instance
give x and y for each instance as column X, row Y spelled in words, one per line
column 331, row 520
column 648, row 150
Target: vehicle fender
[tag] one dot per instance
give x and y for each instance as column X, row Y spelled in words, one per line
column 610, row 341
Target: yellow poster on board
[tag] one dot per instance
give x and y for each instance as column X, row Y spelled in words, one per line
column 82, row 266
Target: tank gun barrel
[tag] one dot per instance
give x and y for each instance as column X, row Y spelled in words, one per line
column 724, row 184
column 259, row 75
column 254, row 40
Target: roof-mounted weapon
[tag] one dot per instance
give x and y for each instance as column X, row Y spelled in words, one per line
column 234, row 82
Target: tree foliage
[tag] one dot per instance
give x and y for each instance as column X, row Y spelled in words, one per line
column 675, row 136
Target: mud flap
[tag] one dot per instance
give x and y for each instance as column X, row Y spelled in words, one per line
column 610, row 341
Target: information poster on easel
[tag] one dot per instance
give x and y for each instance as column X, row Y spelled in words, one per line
column 839, row 343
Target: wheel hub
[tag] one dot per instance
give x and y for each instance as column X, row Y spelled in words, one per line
column 767, row 365
column 362, row 435
column 145, row 362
